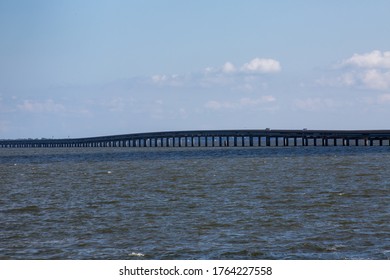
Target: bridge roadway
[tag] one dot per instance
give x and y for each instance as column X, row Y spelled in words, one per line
column 217, row 138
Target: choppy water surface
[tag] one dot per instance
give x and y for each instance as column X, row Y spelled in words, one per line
column 195, row 203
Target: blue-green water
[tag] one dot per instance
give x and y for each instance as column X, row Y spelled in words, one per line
column 195, row 203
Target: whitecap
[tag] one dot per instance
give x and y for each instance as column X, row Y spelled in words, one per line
column 336, row 247
column 134, row 254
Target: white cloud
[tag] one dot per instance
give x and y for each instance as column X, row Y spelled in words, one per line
column 262, row 65
column 47, row 106
column 382, row 99
column 209, row 70
column 245, row 77
column 217, row 105
column 117, row 104
column 315, row 104
column 170, row 80
column 245, row 102
column 256, row 65
column 348, row 79
column 228, row 67
column 159, row 78
column 374, row 59
column 376, row 79
column 369, row 70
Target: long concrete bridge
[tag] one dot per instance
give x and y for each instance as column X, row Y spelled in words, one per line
column 216, row 138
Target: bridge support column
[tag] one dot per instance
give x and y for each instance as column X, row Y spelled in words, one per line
column 268, row 141
column 325, row 142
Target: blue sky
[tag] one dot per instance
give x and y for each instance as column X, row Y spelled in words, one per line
column 89, row 68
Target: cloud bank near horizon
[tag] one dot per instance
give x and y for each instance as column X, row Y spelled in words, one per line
column 227, row 74
column 249, row 90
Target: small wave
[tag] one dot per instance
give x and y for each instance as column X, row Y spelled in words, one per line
column 386, row 253
column 26, row 209
column 134, row 254
column 241, row 254
column 335, row 248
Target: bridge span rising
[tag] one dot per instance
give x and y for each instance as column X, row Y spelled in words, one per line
column 216, row 138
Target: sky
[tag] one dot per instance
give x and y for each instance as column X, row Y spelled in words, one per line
column 90, row 68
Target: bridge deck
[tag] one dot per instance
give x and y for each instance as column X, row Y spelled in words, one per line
column 216, row 138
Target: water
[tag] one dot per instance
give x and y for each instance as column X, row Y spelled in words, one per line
column 195, row 203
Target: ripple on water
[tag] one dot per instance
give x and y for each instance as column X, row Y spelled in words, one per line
column 259, row 203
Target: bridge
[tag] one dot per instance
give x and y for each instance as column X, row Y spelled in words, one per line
column 216, row 138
